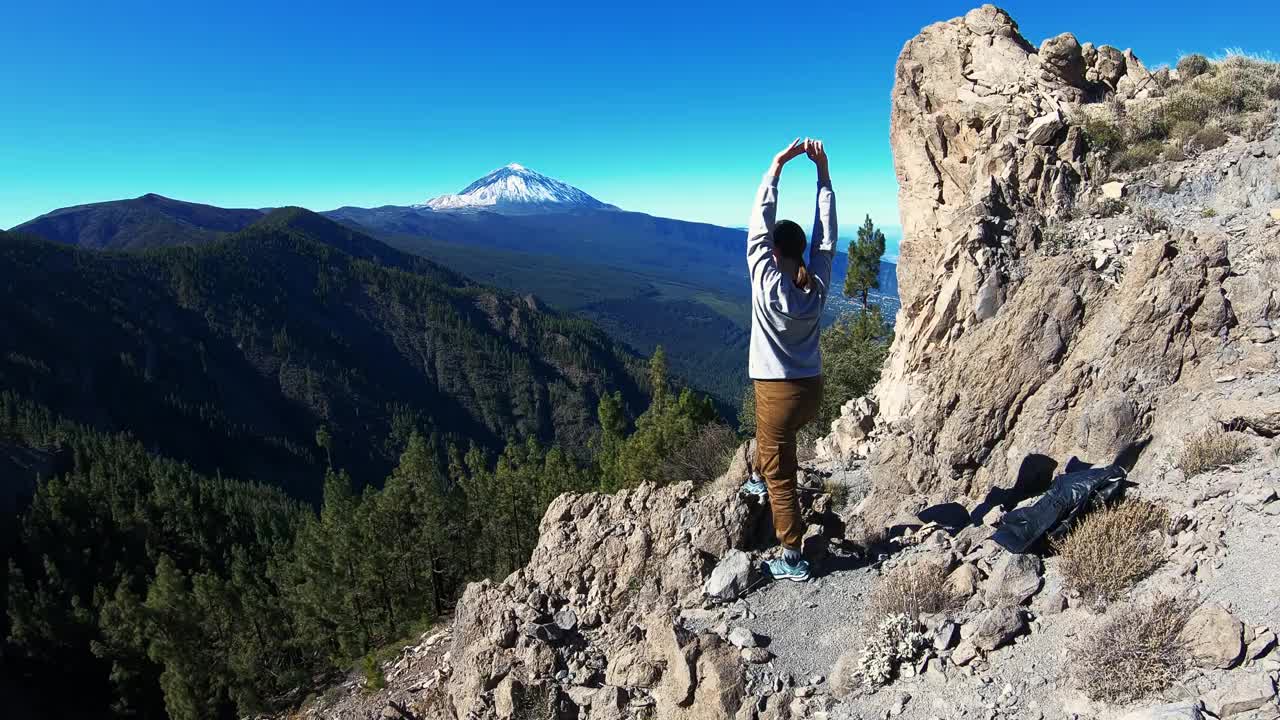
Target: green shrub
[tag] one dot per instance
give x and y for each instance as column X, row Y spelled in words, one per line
column 374, row 679
column 1174, row 153
column 1103, row 135
column 1112, row 207
column 1208, row 213
column 1193, row 65
column 1136, row 157
column 1272, row 90
column 1150, row 221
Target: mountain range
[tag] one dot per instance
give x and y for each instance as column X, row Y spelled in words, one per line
column 231, row 354
column 646, row 280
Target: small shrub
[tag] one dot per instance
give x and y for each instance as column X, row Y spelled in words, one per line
column 1103, row 135
column 1183, row 130
column 1150, row 221
column 1208, row 138
column 1055, row 239
column 896, row 640
column 1211, row 450
column 1272, row 90
column 1135, row 653
column 1174, row 153
column 913, row 590
column 839, row 493
column 1113, row 548
column 1193, row 65
column 1208, row 213
column 1111, row 207
column 1139, row 155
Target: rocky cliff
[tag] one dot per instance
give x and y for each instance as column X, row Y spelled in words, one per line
column 1030, row 322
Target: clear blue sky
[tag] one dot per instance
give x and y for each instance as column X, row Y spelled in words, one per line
column 667, row 108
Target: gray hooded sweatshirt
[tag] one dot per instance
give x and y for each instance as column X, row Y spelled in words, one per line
column 785, row 320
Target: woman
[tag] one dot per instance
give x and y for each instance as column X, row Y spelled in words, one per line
column 787, row 299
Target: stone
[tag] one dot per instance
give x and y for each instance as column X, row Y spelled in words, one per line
column 1015, row 577
column 741, row 637
column 731, row 577
column 1261, row 645
column 1113, row 190
column 1243, row 693
column 964, row 653
column 1214, row 638
column 945, row 636
column 756, row 655
column 963, row 581
column 1274, row 214
column 506, row 697
column 566, row 620
column 1050, row 603
column 997, row 627
column 1044, row 128
column 1062, row 56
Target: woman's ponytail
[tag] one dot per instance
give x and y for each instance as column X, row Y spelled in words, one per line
column 802, row 276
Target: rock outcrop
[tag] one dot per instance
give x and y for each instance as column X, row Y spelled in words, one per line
column 622, row 565
column 1008, row 343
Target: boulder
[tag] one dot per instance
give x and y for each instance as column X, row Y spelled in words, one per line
column 741, row 637
column 1241, row 694
column 1044, row 128
column 1061, row 55
column 996, row 627
column 964, row 580
column 1113, row 190
column 1214, row 638
column 731, row 577
column 1014, row 578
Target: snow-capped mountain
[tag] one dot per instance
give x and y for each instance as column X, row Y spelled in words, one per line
column 516, row 189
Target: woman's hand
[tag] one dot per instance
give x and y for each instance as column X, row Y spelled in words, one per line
column 817, row 152
column 795, row 149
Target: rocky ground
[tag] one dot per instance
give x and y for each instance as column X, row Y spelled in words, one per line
column 1049, row 307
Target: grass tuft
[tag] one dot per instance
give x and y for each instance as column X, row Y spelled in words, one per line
column 913, row 590
column 1211, row 450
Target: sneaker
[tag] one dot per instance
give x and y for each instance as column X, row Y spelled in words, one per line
column 780, row 569
column 755, row 486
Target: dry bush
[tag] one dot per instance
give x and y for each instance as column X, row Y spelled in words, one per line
column 1150, row 221
column 839, row 493
column 1113, row 548
column 913, row 589
column 705, row 457
column 1190, row 66
column 1208, row 138
column 1136, row 652
column 1211, row 450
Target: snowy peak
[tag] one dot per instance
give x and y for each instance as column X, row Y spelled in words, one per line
column 515, row 188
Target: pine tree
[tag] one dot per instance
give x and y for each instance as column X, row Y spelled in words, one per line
column 658, row 377
column 863, row 273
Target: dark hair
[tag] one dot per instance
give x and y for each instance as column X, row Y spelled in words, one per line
column 789, row 239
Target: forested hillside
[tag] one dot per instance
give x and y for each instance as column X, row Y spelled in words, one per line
column 171, row 421
column 291, row 344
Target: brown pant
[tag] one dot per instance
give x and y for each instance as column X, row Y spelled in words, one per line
column 782, row 407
